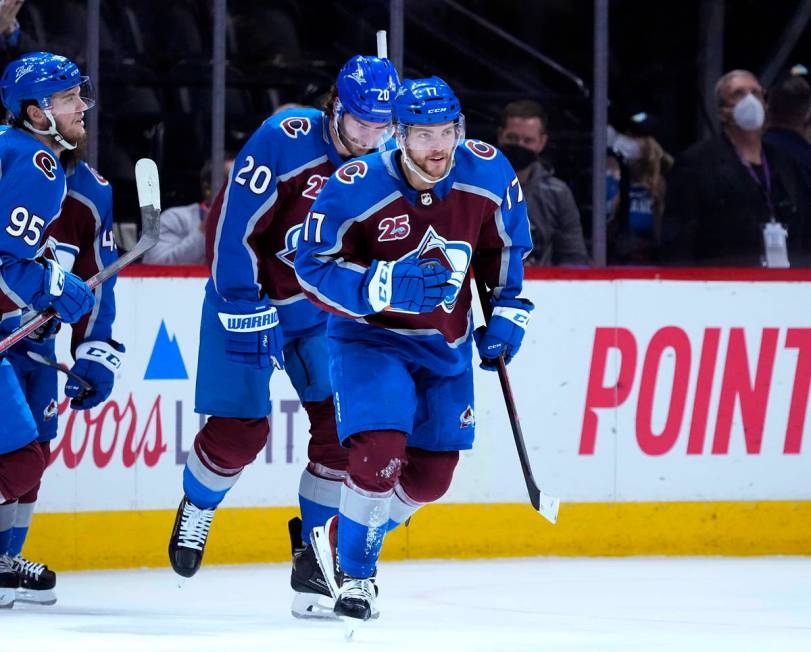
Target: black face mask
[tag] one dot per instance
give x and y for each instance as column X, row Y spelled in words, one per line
column 518, row 156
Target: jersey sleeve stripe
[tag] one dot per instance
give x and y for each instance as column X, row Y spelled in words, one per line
column 91, row 206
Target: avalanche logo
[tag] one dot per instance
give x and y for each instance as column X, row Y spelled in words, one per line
column 288, row 254
column 481, row 149
column 455, row 253
column 351, row 171
column 45, row 163
column 50, row 411
column 295, row 126
column 467, row 419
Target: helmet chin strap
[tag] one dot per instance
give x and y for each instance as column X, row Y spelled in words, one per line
column 51, row 131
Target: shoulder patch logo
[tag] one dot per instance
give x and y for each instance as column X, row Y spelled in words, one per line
column 352, row 170
column 98, row 177
column 45, row 163
column 481, row 149
column 294, row 126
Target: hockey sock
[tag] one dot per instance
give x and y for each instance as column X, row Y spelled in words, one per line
column 362, row 524
column 22, row 522
column 204, row 486
column 319, row 496
column 7, row 513
column 402, row 508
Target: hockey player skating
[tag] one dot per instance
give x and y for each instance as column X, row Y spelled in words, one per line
column 83, row 241
column 46, row 96
column 253, row 297
column 387, row 249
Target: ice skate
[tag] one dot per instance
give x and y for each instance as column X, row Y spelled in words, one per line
column 9, row 582
column 354, row 597
column 189, row 537
column 37, row 582
column 312, row 597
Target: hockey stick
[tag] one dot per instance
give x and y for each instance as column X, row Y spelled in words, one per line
column 38, row 357
column 146, row 178
column 382, row 45
column 545, row 504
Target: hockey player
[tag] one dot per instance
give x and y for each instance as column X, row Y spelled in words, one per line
column 253, row 294
column 386, row 249
column 83, row 241
column 46, row 96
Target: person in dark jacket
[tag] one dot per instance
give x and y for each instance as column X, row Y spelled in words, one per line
column 788, row 118
column 557, row 235
column 730, row 195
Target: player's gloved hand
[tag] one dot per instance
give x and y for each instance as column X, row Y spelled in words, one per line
column 411, row 285
column 66, row 293
column 504, row 333
column 96, row 362
column 253, row 335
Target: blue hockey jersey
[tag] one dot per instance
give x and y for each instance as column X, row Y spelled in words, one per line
column 32, row 187
column 367, row 211
column 256, row 219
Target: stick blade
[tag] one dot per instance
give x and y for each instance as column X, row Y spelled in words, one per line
column 147, row 180
column 547, row 506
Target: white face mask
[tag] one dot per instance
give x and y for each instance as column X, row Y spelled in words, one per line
column 749, row 113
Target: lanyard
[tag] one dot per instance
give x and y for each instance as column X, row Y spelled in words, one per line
column 767, row 190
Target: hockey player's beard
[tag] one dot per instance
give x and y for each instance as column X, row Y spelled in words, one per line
column 70, row 156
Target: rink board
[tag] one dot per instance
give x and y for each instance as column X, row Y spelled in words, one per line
column 669, row 414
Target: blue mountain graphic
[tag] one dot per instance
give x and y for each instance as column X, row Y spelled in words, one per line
column 166, row 362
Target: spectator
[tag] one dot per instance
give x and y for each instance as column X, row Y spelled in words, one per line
column 728, row 195
column 182, row 231
column 13, row 41
column 635, row 234
column 557, row 235
column 789, row 116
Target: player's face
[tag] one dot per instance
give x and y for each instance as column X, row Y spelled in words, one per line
column 430, row 147
column 68, row 109
column 361, row 136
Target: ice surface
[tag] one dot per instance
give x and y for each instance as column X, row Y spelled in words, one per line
column 547, row 604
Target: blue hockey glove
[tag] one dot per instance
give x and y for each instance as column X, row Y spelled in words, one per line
column 253, row 336
column 410, row 285
column 503, row 335
column 96, row 362
column 66, row 293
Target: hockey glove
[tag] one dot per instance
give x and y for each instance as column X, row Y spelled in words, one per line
column 503, row 335
column 96, row 362
column 66, row 293
column 411, row 285
column 253, row 336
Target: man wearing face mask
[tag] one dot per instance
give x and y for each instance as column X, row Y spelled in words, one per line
column 557, row 235
column 734, row 200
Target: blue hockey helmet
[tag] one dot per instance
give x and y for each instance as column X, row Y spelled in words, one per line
column 37, row 76
column 366, row 88
column 425, row 102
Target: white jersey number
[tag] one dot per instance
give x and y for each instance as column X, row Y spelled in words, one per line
column 25, row 224
column 260, row 176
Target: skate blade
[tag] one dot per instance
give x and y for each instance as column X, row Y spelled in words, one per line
column 323, row 556
column 309, row 606
column 7, row 598
column 46, row 597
